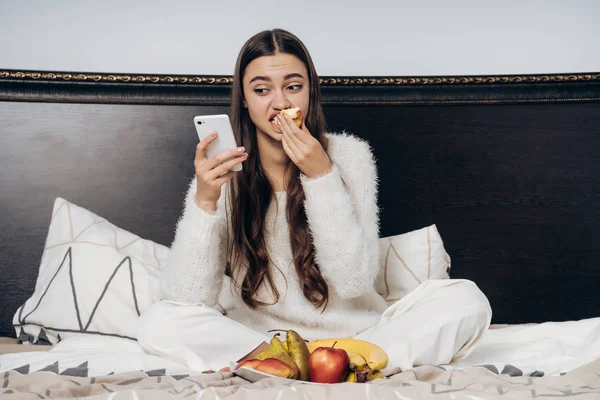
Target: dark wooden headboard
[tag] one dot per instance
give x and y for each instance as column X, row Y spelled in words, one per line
column 506, row 166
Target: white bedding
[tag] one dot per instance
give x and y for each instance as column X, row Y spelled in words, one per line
column 550, row 348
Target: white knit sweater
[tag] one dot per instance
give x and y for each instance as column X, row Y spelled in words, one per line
column 343, row 218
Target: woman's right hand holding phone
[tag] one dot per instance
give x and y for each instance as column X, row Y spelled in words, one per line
column 212, row 173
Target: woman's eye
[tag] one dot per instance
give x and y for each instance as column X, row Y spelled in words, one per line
column 295, row 87
column 261, row 90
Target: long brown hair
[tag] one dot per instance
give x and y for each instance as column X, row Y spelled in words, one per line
column 250, row 192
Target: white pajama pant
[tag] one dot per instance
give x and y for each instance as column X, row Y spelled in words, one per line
column 439, row 321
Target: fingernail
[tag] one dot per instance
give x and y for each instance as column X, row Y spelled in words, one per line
column 245, row 155
column 214, row 134
column 241, row 149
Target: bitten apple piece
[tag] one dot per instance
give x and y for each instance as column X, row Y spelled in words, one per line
column 295, row 114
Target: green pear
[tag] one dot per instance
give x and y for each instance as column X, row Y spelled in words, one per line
column 299, row 353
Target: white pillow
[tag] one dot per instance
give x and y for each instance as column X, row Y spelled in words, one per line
column 409, row 259
column 94, row 278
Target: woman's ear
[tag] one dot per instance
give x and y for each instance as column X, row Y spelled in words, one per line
column 245, row 104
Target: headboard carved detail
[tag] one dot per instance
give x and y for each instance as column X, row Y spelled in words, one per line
column 507, row 168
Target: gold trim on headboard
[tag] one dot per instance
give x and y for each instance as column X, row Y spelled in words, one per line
column 460, row 80
column 327, row 81
column 83, row 77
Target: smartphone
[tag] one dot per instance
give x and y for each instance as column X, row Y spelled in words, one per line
column 207, row 124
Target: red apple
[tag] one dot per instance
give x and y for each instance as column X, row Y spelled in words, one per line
column 252, row 364
column 328, row 365
column 275, row 367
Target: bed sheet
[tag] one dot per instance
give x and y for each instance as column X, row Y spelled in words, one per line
column 549, row 348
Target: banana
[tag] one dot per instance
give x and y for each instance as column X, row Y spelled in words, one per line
column 375, row 375
column 363, row 376
column 357, row 362
column 350, row 377
column 375, row 356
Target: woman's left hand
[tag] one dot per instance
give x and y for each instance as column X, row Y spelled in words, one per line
column 302, row 148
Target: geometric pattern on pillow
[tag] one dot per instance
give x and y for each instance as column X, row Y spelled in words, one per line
column 409, row 259
column 67, row 260
column 94, row 278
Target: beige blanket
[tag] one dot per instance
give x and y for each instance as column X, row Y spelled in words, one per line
column 11, row 345
column 424, row 382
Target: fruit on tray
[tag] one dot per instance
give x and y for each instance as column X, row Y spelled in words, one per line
column 375, row 357
column 357, row 362
column 322, row 361
column 276, row 350
column 328, row 364
column 376, row 375
column 350, row 377
column 366, row 359
column 298, row 351
column 363, row 376
column 274, row 366
column 252, row 364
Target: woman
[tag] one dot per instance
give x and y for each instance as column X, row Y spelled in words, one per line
column 296, row 230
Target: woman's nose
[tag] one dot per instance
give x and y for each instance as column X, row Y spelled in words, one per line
column 281, row 101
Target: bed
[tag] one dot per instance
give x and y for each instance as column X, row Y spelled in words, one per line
column 505, row 168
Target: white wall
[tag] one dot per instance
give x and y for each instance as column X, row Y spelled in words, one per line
column 375, row 37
